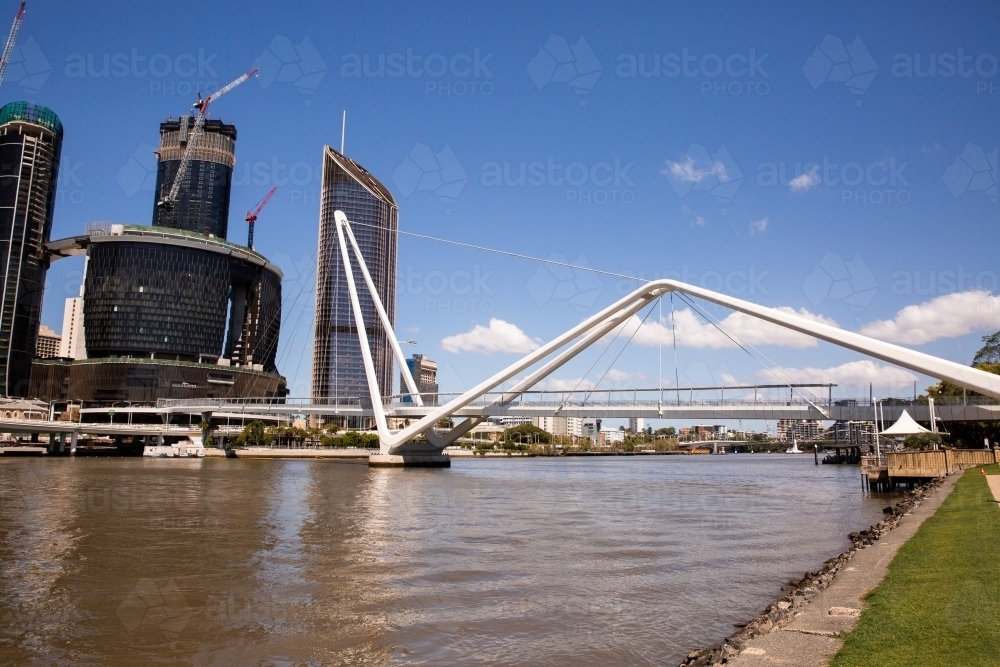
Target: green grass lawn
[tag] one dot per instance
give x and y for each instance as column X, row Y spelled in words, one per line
column 940, row 602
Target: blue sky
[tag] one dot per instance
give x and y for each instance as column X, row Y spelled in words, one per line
column 796, row 154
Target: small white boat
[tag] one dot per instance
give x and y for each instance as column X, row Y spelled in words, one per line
column 192, row 448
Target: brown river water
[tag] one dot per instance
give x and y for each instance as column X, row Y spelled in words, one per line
column 564, row 561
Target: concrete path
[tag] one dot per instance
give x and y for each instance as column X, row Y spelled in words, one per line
column 994, row 482
column 812, row 638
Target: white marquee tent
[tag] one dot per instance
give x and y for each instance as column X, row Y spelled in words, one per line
column 905, row 425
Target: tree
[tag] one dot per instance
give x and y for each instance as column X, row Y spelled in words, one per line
column 990, row 352
column 526, row 434
column 253, row 435
column 972, row 434
column 922, row 440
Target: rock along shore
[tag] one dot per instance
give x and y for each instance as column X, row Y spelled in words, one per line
column 800, row 592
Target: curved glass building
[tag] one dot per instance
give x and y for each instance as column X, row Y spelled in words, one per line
column 338, row 371
column 169, row 314
column 30, row 145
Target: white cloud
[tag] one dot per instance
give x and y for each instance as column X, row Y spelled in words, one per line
column 499, row 336
column 699, row 221
column 759, row 226
column 686, row 171
column 564, row 384
column 616, row 376
column 854, row 373
column 693, row 331
column 806, row 181
column 946, row 316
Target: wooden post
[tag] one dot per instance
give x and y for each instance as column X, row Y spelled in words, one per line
column 947, row 469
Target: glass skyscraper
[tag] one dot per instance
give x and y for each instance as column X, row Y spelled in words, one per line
column 30, row 146
column 338, row 370
column 203, row 204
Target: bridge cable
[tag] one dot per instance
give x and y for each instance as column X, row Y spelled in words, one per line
column 592, row 270
column 503, row 252
column 659, row 343
column 673, row 332
column 615, row 360
column 620, row 328
column 725, row 331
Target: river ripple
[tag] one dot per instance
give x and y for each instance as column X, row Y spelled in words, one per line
column 623, row 560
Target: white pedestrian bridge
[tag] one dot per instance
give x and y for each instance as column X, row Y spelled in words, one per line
column 511, row 391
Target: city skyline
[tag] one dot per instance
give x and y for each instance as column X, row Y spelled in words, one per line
column 753, row 207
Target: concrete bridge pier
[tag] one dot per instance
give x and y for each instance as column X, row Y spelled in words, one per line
column 410, row 456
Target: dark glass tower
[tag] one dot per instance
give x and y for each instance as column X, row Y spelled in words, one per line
column 203, row 203
column 30, row 145
column 338, row 371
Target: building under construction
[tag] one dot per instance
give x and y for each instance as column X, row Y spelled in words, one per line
column 202, row 206
column 30, row 145
column 173, row 310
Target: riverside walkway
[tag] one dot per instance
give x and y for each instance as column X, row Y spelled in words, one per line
column 922, row 594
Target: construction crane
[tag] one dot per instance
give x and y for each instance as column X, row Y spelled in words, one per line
column 11, row 40
column 252, row 215
column 190, row 141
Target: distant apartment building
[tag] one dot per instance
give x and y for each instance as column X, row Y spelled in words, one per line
column 801, row 430
column 611, row 436
column 424, row 372
column 591, row 428
column 47, row 343
column 73, row 345
column 636, row 424
column 561, row 426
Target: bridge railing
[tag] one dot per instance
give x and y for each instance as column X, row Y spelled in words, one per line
column 761, row 395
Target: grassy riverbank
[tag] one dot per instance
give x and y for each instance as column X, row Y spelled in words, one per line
column 940, row 603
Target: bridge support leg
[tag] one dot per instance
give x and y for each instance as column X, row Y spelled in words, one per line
column 425, row 459
column 72, row 443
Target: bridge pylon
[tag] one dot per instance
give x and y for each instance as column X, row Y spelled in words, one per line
column 420, row 444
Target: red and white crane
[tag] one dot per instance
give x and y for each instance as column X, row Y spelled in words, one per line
column 252, row 215
column 11, row 40
column 199, row 127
